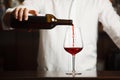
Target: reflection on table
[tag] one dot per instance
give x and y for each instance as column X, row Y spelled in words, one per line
column 33, row 75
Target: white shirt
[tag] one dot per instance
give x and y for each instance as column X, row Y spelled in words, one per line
column 85, row 15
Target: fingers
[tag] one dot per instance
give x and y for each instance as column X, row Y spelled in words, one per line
column 25, row 14
column 33, row 12
column 15, row 13
column 22, row 13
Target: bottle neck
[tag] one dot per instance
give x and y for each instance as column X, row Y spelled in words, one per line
column 64, row 22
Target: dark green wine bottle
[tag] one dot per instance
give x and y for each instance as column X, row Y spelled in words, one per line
column 48, row 21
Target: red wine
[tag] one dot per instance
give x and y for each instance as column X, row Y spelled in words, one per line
column 73, row 34
column 73, row 50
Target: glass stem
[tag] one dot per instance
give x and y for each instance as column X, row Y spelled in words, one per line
column 73, row 63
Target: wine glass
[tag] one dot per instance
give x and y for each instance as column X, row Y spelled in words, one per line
column 73, row 44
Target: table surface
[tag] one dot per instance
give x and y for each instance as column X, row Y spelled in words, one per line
column 34, row 75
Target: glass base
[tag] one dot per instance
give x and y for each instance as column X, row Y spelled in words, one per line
column 73, row 74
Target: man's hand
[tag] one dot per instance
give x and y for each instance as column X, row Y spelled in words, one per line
column 22, row 13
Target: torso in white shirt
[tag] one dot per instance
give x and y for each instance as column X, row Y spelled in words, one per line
column 85, row 15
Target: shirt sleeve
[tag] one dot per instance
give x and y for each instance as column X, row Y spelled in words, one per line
column 111, row 21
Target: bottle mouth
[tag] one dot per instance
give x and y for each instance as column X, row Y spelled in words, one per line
column 64, row 22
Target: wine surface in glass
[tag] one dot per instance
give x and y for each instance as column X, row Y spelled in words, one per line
column 73, row 50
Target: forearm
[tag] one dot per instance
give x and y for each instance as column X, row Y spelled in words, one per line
column 25, row 8
column 19, row 16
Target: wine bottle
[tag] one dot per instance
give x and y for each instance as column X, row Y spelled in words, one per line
column 48, row 21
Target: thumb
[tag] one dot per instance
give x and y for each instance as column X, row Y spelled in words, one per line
column 33, row 12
